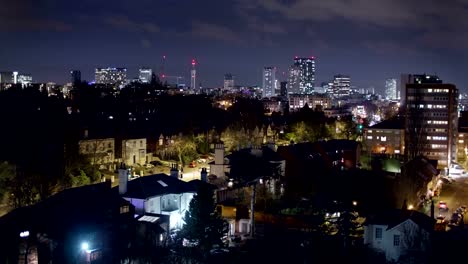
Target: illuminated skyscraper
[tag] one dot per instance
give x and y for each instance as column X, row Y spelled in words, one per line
column 193, row 76
column 294, row 80
column 24, row 79
column 391, row 89
column 341, row 86
column 113, row 76
column 306, row 68
column 431, row 120
column 228, row 81
column 269, row 81
column 145, row 75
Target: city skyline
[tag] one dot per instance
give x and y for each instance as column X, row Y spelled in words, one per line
column 388, row 39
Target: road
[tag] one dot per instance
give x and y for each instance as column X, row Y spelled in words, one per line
column 455, row 195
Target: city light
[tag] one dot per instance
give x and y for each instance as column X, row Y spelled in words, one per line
column 24, row 234
column 354, row 203
column 84, row 246
column 410, row 207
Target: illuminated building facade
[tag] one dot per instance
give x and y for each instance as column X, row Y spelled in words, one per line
column 269, row 81
column 391, row 89
column 113, row 76
column 306, row 67
column 432, row 121
column 145, row 75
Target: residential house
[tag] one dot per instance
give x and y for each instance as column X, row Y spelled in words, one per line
column 98, row 151
column 399, row 233
column 134, row 151
column 159, row 194
column 386, row 137
column 88, row 222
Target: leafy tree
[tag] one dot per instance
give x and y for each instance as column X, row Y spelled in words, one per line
column 203, row 225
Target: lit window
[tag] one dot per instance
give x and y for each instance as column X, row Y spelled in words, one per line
column 397, row 151
column 383, row 138
column 369, row 137
column 124, row 209
column 460, row 141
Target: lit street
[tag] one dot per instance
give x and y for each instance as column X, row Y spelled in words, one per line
column 455, row 195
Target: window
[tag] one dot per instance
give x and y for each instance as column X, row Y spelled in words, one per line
column 124, row 209
column 396, row 240
column 378, row 233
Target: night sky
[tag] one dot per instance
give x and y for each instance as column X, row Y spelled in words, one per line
column 368, row 39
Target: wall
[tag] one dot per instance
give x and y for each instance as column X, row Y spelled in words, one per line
column 134, row 151
column 98, row 151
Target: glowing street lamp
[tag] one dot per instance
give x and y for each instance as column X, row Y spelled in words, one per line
column 84, row 246
column 354, row 203
column 410, row 207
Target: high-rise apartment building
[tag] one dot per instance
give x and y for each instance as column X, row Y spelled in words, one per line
column 75, row 77
column 391, row 89
column 341, row 86
column 415, row 79
column 294, row 80
column 6, row 77
column 113, row 76
column 269, row 81
column 431, row 120
column 306, row 68
column 228, row 81
column 145, row 74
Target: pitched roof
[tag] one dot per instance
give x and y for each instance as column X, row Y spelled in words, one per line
column 395, row 217
column 156, row 185
column 75, row 206
column 394, row 123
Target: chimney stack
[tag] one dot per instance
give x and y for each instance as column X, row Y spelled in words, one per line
column 174, row 171
column 123, row 179
column 204, row 175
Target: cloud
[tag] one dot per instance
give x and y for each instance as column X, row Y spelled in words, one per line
column 12, row 25
column 125, row 23
column 217, row 32
column 145, row 43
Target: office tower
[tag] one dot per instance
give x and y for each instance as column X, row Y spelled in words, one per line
column 294, row 80
column 415, row 79
column 193, row 75
column 269, row 81
column 112, row 76
column 306, row 68
column 228, row 81
column 145, row 75
column 341, row 85
column 6, row 77
column 75, row 77
column 24, row 79
column 431, row 120
column 391, row 89
column 284, row 88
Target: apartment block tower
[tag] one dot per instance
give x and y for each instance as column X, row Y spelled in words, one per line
column 431, row 120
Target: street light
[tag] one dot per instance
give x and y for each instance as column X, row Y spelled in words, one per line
column 410, row 207
column 354, row 203
column 84, row 246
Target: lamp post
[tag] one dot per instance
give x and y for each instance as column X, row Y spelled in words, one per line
column 24, row 235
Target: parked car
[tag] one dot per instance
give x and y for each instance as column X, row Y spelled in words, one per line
column 443, row 206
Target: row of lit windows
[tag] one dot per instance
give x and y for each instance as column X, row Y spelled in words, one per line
column 383, row 131
column 438, row 146
column 437, row 122
column 436, row 138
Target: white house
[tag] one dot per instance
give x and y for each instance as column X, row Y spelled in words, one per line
column 159, row 194
column 398, row 232
column 134, row 151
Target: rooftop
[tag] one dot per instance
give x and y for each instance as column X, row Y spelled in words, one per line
column 394, row 123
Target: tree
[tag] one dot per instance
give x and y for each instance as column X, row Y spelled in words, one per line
column 203, row 225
